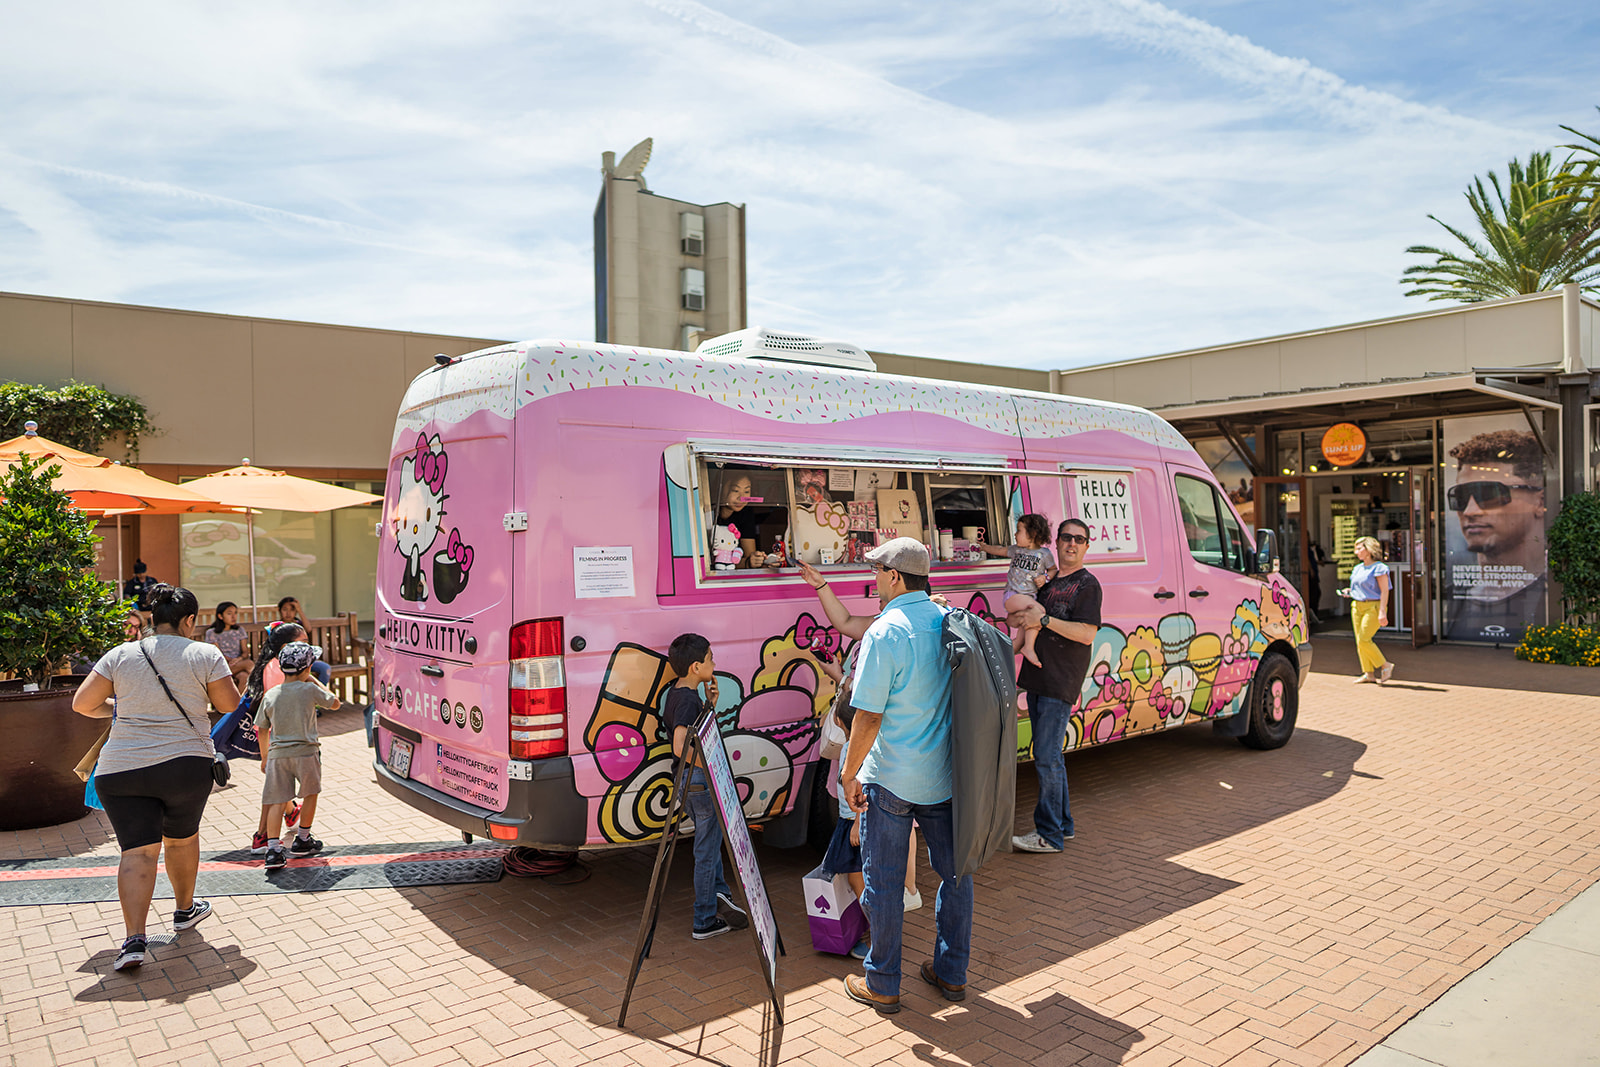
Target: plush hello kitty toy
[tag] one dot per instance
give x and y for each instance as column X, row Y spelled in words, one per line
column 725, row 550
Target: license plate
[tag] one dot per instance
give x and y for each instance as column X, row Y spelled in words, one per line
column 400, row 757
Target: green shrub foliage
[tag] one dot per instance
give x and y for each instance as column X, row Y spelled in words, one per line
column 1574, row 548
column 53, row 606
column 78, row 414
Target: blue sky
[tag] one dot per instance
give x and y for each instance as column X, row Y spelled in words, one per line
column 1026, row 183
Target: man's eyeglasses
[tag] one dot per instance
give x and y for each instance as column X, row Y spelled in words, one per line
column 1489, row 495
column 1073, row 539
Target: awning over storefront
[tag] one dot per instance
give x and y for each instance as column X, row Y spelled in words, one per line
column 1496, row 389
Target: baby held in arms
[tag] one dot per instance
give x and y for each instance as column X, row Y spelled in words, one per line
column 1032, row 565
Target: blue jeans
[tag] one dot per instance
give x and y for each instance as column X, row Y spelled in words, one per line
column 708, row 880
column 885, row 835
column 1052, row 816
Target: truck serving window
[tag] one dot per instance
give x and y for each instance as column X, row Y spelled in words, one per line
column 833, row 515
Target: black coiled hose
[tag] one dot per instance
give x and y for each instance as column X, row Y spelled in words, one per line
column 523, row 862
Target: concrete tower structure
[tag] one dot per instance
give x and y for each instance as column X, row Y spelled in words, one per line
column 666, row 272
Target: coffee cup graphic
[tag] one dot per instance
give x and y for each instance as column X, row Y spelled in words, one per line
column 449, row 577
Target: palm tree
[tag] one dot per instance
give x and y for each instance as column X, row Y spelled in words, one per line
column 1535, row 236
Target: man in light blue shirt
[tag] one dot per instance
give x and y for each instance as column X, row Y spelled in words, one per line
column 897, row 770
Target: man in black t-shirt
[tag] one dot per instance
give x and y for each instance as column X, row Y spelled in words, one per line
column 1068, row 609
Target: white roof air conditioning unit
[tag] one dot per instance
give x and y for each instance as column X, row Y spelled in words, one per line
column 694, row 289
column 692, row 233
column 759, row 343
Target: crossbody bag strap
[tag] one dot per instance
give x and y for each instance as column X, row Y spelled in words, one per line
column 204, row 736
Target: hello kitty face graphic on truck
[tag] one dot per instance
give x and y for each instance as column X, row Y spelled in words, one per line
column 418, row 522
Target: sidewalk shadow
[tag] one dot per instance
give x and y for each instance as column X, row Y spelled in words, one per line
column 1136, row 805
column 77, row 838
column 174, row 972
column 1480, row 666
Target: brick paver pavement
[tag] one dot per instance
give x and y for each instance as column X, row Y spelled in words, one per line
column 1219, row 906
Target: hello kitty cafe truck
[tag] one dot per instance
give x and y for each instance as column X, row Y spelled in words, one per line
column 557, row 512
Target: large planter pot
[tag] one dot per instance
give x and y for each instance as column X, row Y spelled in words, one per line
column 41, row 740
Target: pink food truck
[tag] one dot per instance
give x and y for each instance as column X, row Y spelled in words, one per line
column 557, row 512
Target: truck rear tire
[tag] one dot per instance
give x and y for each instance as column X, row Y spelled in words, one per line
column 1273, row 703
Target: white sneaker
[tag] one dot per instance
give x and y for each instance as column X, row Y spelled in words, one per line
column 1032, row 842
column 1384, row 672
column 913, row 900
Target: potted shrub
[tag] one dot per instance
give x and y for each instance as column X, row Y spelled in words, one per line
column 53, row 610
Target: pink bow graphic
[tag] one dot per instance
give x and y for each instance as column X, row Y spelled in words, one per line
column 459, row 552
column 808, row 633
column 429, row 466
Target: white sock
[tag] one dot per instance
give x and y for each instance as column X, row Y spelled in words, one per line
column 302, row 833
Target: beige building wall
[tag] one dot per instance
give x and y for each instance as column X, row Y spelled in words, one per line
column 1524, row 331
column 642, row 260
column 222, row 387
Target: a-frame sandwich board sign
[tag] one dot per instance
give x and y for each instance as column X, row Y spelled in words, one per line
column 739, row 857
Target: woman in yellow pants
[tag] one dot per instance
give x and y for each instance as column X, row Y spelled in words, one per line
column 1369, row 608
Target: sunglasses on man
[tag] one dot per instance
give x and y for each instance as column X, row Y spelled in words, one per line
column 1489, row 495
column 1074, row 539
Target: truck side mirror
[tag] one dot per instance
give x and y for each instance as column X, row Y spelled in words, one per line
column 1266, row 551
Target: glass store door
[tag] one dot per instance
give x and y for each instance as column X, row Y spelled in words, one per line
column 1281, row 507
column 1420, row 552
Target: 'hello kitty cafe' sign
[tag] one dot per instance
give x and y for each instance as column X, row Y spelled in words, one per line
column 1104, row 499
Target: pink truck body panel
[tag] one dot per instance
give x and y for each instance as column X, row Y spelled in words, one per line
column 596, row 446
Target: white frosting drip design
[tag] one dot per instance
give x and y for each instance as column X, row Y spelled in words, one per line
column 787, row 392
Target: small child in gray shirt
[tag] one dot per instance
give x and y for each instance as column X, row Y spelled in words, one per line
column 1032, row 564
column 291, row 752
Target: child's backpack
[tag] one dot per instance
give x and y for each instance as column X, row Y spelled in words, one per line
column 983, row 737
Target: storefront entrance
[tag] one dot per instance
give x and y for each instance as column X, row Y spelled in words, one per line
column 1318, row 518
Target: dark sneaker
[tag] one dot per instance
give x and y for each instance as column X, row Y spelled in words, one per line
column 305, row 846
column 951, row 992
column 716, row 929
column 182, row 920
column 856, row 988
column 131, row 956
column 258, row 844
column 277, row 858
column 734, row 914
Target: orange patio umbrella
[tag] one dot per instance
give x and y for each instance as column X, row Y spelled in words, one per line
column 261, row 489
column 98, row 486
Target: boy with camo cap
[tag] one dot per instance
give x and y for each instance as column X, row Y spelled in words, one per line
column 291, row 752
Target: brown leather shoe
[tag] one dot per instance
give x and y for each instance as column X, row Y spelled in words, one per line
column 856, row 988
column 951, row 992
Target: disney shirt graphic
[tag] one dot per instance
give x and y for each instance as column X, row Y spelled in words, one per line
column 418, row 522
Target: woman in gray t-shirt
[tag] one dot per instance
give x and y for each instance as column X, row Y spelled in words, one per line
column 154, row 774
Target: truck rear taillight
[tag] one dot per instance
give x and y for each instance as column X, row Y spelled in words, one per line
column 538, row 690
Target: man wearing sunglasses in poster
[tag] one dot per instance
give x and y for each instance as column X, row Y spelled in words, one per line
column 1498, row 499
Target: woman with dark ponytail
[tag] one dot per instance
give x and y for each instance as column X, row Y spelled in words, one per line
column 154, row 775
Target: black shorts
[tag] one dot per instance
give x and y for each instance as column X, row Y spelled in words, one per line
column 162, row 800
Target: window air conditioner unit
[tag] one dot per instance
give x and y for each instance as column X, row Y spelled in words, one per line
column 692, row 231
column 694, row 289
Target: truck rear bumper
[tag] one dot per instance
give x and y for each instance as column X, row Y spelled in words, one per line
column 546, row 812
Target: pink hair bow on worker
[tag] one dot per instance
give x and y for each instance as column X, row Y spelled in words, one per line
column 430, row 465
